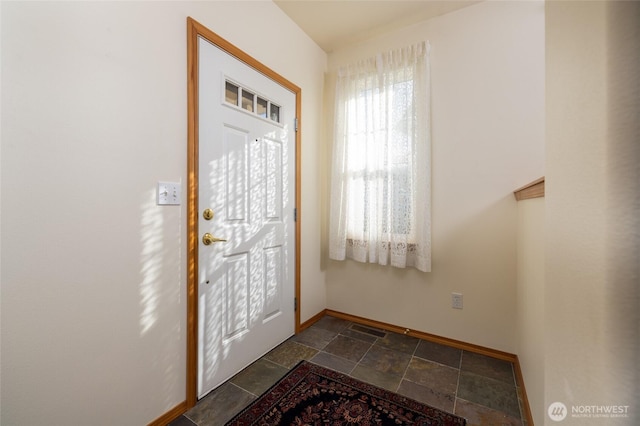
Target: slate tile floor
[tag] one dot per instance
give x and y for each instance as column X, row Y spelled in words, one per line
column 479, row 388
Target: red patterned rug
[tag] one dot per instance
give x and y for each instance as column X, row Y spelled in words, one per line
column 314, row 395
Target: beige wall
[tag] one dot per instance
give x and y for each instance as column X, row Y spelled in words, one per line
column 592, row 204
column 530, row 302
column 93, row 272
column 487, row 65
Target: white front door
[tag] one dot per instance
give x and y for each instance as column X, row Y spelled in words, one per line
column 246, row 196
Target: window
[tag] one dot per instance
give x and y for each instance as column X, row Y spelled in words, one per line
column 380, row 202
column 246, row 100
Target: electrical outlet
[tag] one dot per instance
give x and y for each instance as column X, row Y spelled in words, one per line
column 456, row 300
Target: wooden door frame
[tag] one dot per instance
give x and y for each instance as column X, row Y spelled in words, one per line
column 194, row 31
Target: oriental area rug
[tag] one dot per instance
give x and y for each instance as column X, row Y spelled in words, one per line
column 313, row 395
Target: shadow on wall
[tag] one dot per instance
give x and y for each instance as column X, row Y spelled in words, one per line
column 162, row 284
column 623, row 201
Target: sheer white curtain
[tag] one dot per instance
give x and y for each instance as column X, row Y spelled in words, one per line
column 381, row 179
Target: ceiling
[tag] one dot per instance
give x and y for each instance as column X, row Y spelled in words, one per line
column 335, row 23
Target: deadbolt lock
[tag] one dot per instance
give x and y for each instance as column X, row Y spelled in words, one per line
column 207, row 214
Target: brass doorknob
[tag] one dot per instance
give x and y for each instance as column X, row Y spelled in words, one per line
column 209, row 239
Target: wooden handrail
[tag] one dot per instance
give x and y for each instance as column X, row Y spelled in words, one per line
column 534, row 189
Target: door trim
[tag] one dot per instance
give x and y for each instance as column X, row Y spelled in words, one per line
column 195, row 30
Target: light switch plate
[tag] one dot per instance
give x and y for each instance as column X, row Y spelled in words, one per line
column 169, row 193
